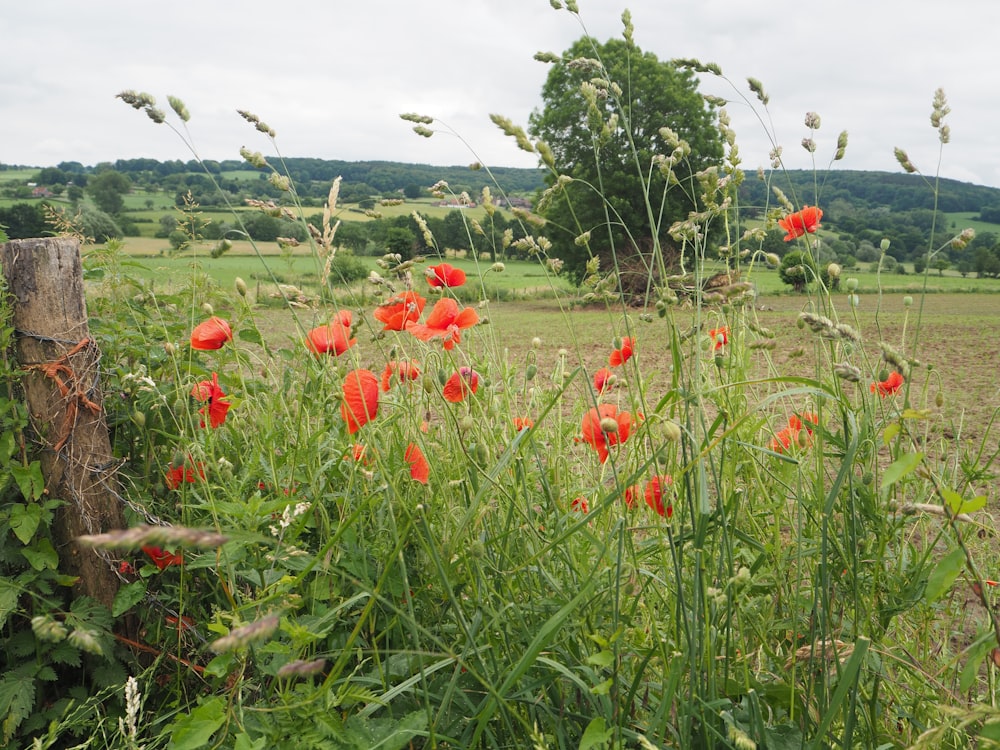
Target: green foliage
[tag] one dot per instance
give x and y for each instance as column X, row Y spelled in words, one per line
column 24, row 221
column 606, row 137
column 108, row 190
column 99, row 226
column 715, row 545
column 798, row 270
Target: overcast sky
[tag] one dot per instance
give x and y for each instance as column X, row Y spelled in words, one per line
column 332, row 76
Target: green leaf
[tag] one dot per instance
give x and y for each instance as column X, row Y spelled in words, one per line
column 243, row 742
column 41, row 555
column 595, row 734
column 127, row 597
column 953, row 499
column 944, row 575
column 250, row 335
column 193, row 731
column 971, row 669
column 7, row 446
column 971, row 506
column 8, row 599
column 602, row 658
column 24, row 520
column 384, row 733
column 890, row 432
column 220, row 665
column 991, row 731
column 906, row 464
column 603, row 688
column 17, row 695
column 29, row 479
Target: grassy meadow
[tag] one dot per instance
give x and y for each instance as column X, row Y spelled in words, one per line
column 465, row 504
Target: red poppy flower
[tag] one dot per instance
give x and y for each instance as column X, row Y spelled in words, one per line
column 399, row 371
column 420, row 470
column 603, row 380
column 605, row 426
column 162, row 559
column 783, row 439
column 461, row 384
column 212, row 334
column 797, row 224
column 888, row 386
column 807, row 419
column 360, row 404
column 719, row 336
column 359, row 453
column 523, row 423
column 399, row 310
column 786, row 437
column 580, row 505
column 624, row 354
column 446, row 275
column 333, row 337
column 630, row 495
column 178, row 475
column 444, row 322
column 655, row 488
column 217, row 406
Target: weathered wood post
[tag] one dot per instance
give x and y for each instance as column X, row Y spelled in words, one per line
column 62, row 390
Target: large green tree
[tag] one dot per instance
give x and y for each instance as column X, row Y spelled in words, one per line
column 605, row 108
column 108, row 191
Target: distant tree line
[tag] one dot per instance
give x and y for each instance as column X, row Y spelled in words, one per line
column 860, row 208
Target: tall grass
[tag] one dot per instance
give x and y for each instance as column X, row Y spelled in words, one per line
column 769, row 555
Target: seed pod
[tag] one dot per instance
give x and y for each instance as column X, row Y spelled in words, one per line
column 671, row 430
column 609, row 424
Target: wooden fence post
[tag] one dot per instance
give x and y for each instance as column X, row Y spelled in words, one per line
column 62, row 390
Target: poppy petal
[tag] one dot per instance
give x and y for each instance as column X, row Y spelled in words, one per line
column 360, row 404
column 420, row 470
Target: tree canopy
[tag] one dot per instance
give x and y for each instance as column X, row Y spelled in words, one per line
column 606, row 107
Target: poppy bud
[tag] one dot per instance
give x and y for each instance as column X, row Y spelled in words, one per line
column 671, row 430
column 466, row 423
column 867, row 478
column 169, row 349
column 772, row 259
column 241, row 287
column 530, row 372
column 139, row 418
column 536, row 343
column 443, row 376
column 207, row 309
column 907, row 301
column 884, row 245
column 851, row 284
column 609, row 424
column 939, row 399
column 481, row 453
column 427, row 383
column 833, row 270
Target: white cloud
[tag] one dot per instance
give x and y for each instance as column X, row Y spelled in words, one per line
column 332, row 77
